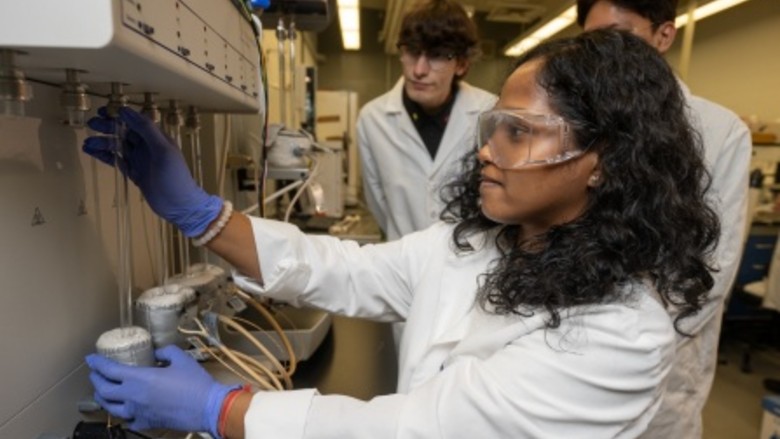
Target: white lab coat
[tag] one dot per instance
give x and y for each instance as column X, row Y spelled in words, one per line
column 401, row 182
column 464, row 373
column 727, row 149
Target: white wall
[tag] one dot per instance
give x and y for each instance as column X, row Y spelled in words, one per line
column 736, row 59
column 57, row 286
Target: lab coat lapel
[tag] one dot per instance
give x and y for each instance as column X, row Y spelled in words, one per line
column 455, row 310
column 489, row 332
column 475, row 331
column 461, row 124
column 450, row 322
column 394, row 107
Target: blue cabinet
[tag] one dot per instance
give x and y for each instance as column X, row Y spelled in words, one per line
column 757, row 257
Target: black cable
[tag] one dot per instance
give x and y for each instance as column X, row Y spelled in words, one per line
column 135, row 433
column 101, row 430
column 242, row 7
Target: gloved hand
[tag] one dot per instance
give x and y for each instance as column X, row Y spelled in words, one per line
column 181, row 396
column 157, row 167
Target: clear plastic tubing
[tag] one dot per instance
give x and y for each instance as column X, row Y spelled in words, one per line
column 124, row 266
column 193, row 132
column 173, row 129
column 165, row 266
column 152, row 111
column 281, row 35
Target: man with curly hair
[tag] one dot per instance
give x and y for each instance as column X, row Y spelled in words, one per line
column 727, row 148
column 410, row 137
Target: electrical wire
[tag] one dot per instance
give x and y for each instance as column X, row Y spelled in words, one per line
column 216, row 354
column 286, row 318
column 257, row 26
column 244, row 10
column 260, row 308
column 250, row 367
column 274, row 361
column 250, row 324
column 273, row 196
column 303, row 187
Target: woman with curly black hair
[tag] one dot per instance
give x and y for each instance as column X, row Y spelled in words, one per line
column 641, row 212
column 540, row 307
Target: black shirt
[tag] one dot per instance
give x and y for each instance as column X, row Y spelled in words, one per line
column 430, row 126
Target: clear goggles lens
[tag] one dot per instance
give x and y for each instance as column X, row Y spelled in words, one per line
column 517, row 138
column 437, row 60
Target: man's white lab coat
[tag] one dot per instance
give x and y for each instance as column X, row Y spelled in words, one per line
column 464, row 373
column 401, row 182
column 727, row 151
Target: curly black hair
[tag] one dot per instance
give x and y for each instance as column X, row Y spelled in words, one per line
column 656, row 11
column 649, row 218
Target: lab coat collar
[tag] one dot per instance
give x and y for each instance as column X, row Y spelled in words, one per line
column 395, row 104
column 685, row 90
column 480, row 240
column 463, row 115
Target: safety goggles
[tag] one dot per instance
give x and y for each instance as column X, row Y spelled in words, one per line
column 437, row 59
column 518, row 138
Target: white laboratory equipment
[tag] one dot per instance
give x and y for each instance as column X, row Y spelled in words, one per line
column 201, row 52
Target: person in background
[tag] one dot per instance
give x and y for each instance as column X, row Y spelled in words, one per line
column 411, row 137
column 537, row 307
column 727, row 149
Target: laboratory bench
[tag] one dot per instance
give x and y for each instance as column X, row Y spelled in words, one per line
column 364, row 231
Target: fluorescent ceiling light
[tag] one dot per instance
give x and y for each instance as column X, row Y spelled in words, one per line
column 569, row 16
column 544, row 32
column 706, row 10
column 349, row 20
column 351, row 39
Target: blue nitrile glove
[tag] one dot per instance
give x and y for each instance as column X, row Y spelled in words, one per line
column 155, row 164
column 181, row 396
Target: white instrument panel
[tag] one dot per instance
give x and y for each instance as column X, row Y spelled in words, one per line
column 200, row 52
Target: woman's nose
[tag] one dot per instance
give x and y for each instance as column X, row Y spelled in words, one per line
column 483, row 153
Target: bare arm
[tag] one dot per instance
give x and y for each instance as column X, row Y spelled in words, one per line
column 236, row 244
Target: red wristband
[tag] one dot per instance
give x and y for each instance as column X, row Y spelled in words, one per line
column 226, row 406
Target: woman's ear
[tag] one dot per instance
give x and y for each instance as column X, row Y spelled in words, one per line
column 594, row 180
